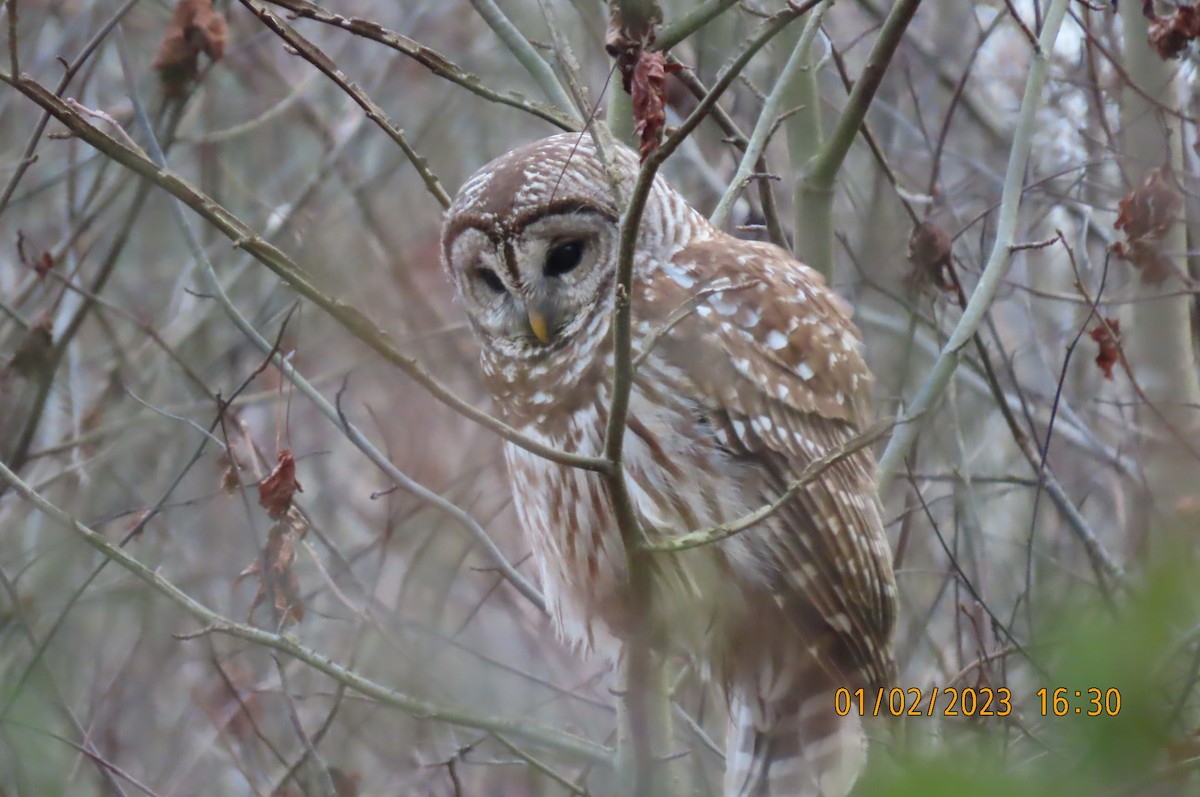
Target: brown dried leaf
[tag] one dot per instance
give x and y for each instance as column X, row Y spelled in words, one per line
column 929, row 252
column 1108, row 336
column 230, row 482
column 626, row 38
column 137, row 520
column 1146, row 215
column 34, row 352
column 345, row 784
column 276, row 579
column 41, row 265
column 275, row 492
column 1169, row 36
column 195, row 28
column 649, row 94
column 44, row 263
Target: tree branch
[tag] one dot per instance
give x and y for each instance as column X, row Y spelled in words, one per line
column 814, row 188
column 218, row 623
column 529, row 58
column 998, row 262
column 431, row 59
column 350, row 317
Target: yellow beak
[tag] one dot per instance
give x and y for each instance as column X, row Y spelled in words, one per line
column 537, row 322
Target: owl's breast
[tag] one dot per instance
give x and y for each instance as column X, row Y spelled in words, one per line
column 679, row 481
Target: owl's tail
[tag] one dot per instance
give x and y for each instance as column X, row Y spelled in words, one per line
column 792, row 746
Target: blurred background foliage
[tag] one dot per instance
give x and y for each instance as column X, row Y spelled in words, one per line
column 132, row 401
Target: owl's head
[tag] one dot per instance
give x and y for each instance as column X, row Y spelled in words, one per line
column 530, row 244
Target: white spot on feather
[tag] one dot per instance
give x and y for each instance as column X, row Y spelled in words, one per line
column 722, row 306
column 776, row 340
column 680, row 277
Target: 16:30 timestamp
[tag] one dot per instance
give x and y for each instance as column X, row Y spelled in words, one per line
column 1094, row 702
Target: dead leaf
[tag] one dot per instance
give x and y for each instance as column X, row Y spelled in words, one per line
column 929, row 252
column 230, row 481
column 649, row 94
column 276, row 578
column 1108, row 336
column 43, row 265
column 1146, row 215
column 643, row 73
column 34, row 353
column 621, row 45
column 275, row 492
column 195, row 28
column 345, row 784
column 1169, row 36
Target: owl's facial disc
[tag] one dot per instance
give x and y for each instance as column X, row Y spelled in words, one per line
column 534, row 290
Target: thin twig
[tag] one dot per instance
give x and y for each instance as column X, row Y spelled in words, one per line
column 244, row 237
column 218, row 623
column 998, row 263
column 673, row 33
column 640, row 682
column 28, row 157
column 683, row 311
column 429, row 58
column 18, row 615
column 812, row 471
column 814, row 191
column 329, row 411
column 529, row 58
column 14, row 62
column 768, row 117
column 315, row 56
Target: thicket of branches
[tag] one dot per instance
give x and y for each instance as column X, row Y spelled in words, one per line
column 255, row 530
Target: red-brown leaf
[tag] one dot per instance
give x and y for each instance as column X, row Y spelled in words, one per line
column 35, row 351
column 275, row 492
column 276, row 579
column 1146, row 215
column 345, row 784
column 230, row 481
column 929, row 253
column 1169, row 36
column 43, row 265
column 195, row 28
column 649, row 94
column 1108, row 336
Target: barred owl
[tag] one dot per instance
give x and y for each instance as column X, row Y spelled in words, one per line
column 748, row 368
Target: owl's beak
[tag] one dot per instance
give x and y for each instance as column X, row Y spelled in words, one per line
column 539, row 325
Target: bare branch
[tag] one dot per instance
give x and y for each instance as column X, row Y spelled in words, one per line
column 313, row 54
column 547, row 737
column 812, row 471
column 999, row 261
column 431, row 59
column 349, row 316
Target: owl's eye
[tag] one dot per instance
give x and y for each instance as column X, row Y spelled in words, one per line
column 490, row 279
column 563, row 257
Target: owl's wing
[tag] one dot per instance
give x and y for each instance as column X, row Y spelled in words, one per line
column 778, row 368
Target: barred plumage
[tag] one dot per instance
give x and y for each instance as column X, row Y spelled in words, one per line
column 764, row 375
